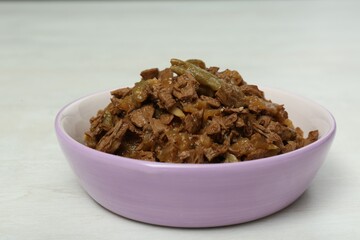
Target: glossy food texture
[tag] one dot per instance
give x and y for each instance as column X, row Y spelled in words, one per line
column 190, row 113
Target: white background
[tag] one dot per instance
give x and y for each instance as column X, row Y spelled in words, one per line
column 54, row 52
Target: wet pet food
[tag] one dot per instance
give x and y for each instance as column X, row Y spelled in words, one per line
column 190, row 113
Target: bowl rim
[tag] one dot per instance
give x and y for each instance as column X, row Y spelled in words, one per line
column 116, row 159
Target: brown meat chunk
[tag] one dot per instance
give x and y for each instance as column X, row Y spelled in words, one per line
column 169, row 153
column 231, row 77
column 148, row 140
column 198, row 156
column 131, row 127
column 121, row 92
column 192, row 156
column 95, row 123
column 157, row 127
column 214, row 151
column 239, row 123
column 213, row 128
column 185, row 155
column 212, row 102
column 312, row 137
column 225, row 122
column 230, row 95
column 166, row 118
column 241, row 148
column 140, row 117
column 260, row 153
column 90, row 139
column 229, row 121
column 205, row 91
column 185, row 87
column 286, row 133
column 264, row 120
column 275, row 139
column 290, row 146
column 111, row 141
column 143, row 155
column 166, row 97
column 193, row 122
column 102, row 122
column 253, row 148
column 251, row 90
column 213, row 70
column 166, row 75
column 233, row 110
column 124, row 104
column 150, row 73
column 259, row 105
column 247, row 130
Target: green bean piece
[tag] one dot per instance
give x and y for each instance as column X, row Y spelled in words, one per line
column 107, row 121
column 202, row 76
column 178, row 70
column 139, row 92
column 197, row 62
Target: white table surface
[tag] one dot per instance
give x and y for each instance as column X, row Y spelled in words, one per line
column 54, row 52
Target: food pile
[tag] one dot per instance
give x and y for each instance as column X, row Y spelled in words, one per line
column 190, row 113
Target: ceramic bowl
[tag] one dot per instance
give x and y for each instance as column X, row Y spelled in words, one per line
column 190, row 195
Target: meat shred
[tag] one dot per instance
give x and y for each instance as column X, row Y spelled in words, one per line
column 190, row 113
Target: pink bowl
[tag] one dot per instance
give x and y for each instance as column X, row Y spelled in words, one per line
column 190, row 195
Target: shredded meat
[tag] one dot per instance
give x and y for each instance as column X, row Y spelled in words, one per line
column 111, row 141
column 214, row 151
column 213, row 128
column 190, row 113
column 193, row 122
column 150, row 73
column 165, row 96
column 185, row 87
column 157, row 127
column 140, row 154
column 212, row 102
column 166, row 118
column 252, row 90
column 121, row 92
column 230, row 95
column 166, row 74
column 140, row 117
column 232, row 77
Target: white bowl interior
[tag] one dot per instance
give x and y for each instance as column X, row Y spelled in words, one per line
column 75, row 117
column 304, row 113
